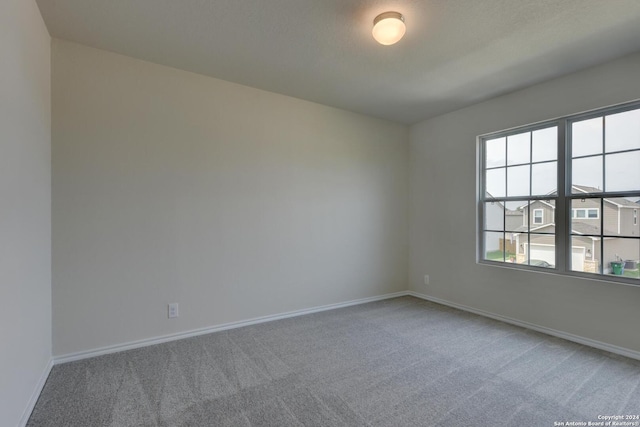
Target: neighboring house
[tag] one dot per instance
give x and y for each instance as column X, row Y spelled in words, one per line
column 620, row 217
column 495, row 214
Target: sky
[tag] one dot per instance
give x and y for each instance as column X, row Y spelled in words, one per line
column 515, row 155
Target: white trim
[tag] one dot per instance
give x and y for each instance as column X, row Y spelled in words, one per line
column 546, row 203
column 619, row 205
column 574, row 213
column 541, row 216
column 633, row 354
column 24, row 419
column 534, row 201
column 70, row 357
column 579, row 189
column 619, row 220
column 551, row 224
column 613, row 203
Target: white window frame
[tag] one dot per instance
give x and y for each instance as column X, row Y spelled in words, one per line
column 535, row 217
column 563, row 198
column 574, row 213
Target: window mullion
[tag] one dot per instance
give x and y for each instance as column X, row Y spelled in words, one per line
column 530, row 193
column 601, row 267
column 481, row 201
column 563, row 218
column 604, row 186
column 604, row 172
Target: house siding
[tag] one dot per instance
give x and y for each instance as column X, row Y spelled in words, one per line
column 512, row 222
column 611, row 218
column 627, row 228
column 548, row 213
column 587, row 204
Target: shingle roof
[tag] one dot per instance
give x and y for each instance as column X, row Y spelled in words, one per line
column 576, row 227
column 622, row 201
column 582, row 228
column 617, row 200
column 587, row 189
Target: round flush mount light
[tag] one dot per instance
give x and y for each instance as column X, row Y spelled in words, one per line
column 388, row 28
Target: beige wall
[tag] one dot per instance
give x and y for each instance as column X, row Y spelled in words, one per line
column 25, row 207
column 170, row 186
column 443, row 162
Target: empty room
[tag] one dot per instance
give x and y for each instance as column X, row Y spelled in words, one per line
column 319, row 213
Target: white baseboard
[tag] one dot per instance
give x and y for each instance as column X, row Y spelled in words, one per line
column 70, row 357
column 36, row 394
column 549, row 331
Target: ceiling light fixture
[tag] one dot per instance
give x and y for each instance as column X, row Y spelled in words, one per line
column 388, row 28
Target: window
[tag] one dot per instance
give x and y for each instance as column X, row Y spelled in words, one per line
column 519, row 176
column 585, row 213
column 563, row 194
column 538, row 216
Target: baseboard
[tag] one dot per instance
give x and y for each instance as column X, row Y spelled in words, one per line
column 36, row 394
column 71, row 357
column 549, row 331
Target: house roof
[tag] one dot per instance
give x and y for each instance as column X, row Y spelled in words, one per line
column 620, row 201
column 551, row 203
column 584, row 228
column 587, row 189
column 523, row 228
column 576, row 228
column 507, row 212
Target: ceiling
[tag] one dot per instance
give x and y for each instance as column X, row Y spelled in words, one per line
column 455, row 52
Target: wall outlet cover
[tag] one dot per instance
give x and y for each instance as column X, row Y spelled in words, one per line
column 173, row 310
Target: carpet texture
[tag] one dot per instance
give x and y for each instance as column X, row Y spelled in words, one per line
column 399, row 362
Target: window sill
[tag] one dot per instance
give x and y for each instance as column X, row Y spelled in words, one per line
column 606, row 278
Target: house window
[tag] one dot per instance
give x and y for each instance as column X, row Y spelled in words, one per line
column 582, row 170
column 585, row 213
column 538, row 216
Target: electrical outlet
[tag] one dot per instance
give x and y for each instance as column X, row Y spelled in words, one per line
column 173, row 310
column 426, row 279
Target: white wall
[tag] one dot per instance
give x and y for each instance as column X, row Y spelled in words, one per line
column 443, row 212
column 170, row 186
column 25, row 207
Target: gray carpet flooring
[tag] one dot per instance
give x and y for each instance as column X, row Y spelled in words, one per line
column 399, row 362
